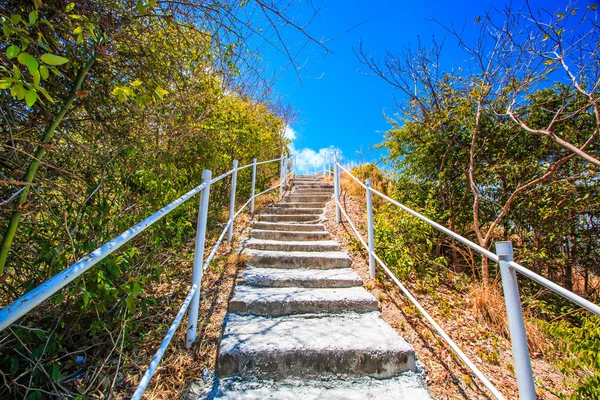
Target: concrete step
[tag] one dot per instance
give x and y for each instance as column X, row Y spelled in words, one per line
column 316, row 192
column 322, row 278
column 308, row 198
column 316, row 204
column 295, row 211
column 298, row 259
column 310, row 346
column 289, row 235
column 283, row 226
column 292, row 245
column 289, row 218
column 319, row 185
column 278, row 301
column 408, row 386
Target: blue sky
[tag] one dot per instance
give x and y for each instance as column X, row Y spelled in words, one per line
column 339, row 103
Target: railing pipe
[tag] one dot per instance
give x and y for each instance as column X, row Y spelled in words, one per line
column 163, row 347
column 370, row 229
column 336, row 189
column 198, row 258
column 33, row 298
column 516, row 325
column 253, row 186
column 567, row 294
column 232, row 200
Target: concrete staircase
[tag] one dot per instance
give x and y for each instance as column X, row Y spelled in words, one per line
column 300, row 325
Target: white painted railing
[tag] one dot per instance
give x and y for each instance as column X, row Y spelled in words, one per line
column 32, row 299
column 508, row 268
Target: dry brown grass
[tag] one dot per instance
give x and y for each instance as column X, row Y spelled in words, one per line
column 487, row 304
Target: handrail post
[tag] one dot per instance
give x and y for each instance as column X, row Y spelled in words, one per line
column 324, row 163
column 370, row 229
column 232, row 200
column 198, row 258
column 516, row 325
column 336, row 190
column 281, row 177
column 285, row 172
column 253, row 186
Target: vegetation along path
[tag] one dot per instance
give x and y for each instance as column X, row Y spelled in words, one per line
column 300, row 325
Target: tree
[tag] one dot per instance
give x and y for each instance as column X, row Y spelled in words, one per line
column 469, row 111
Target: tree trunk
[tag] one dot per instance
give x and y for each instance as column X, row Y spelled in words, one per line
column 36, row 161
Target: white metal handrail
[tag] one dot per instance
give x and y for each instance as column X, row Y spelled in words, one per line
column 504, row 258
column 33, row 298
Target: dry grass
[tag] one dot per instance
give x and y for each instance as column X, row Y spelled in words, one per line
column 487, row 304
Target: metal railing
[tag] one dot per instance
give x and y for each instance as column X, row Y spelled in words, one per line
column 508, row 269
column 30, row 300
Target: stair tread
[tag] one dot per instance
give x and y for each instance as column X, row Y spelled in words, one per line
column 292, row 245
column 286, row 226
column 258, row 276
column 352, row 343
column 293, row 300
column 408, row 386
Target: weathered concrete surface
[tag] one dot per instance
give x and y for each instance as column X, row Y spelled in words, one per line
column 280, row 301
column 298, row 259
column 275, row 277
column 317, row 204
column 289, row 218
column 301, row 245
column 286, row 226
column 313, row 190
column 409, row 386
column 297, row 198
column 312, row 346
column 295, row 211
column 290, row 235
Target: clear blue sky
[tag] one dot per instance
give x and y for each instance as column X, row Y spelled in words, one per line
column 339, row 104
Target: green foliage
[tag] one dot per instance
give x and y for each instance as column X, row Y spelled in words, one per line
column 578, row 352
column 158, row 106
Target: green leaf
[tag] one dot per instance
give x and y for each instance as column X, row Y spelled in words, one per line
column 12, row 51
column 7, row 30
column 30, row 61
column 160, row 91
column 55, row 372
column 52, row 59
column 18, row 91
column 136, row 289
column 69, row 7
column 30, row 97
column 36, row 78
column 14, row 365
column 141, row 8
column 131, row 303
column 33, row 17
column 5, row 84
column 44, row 72
column 15, row 19
column 46, row 95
